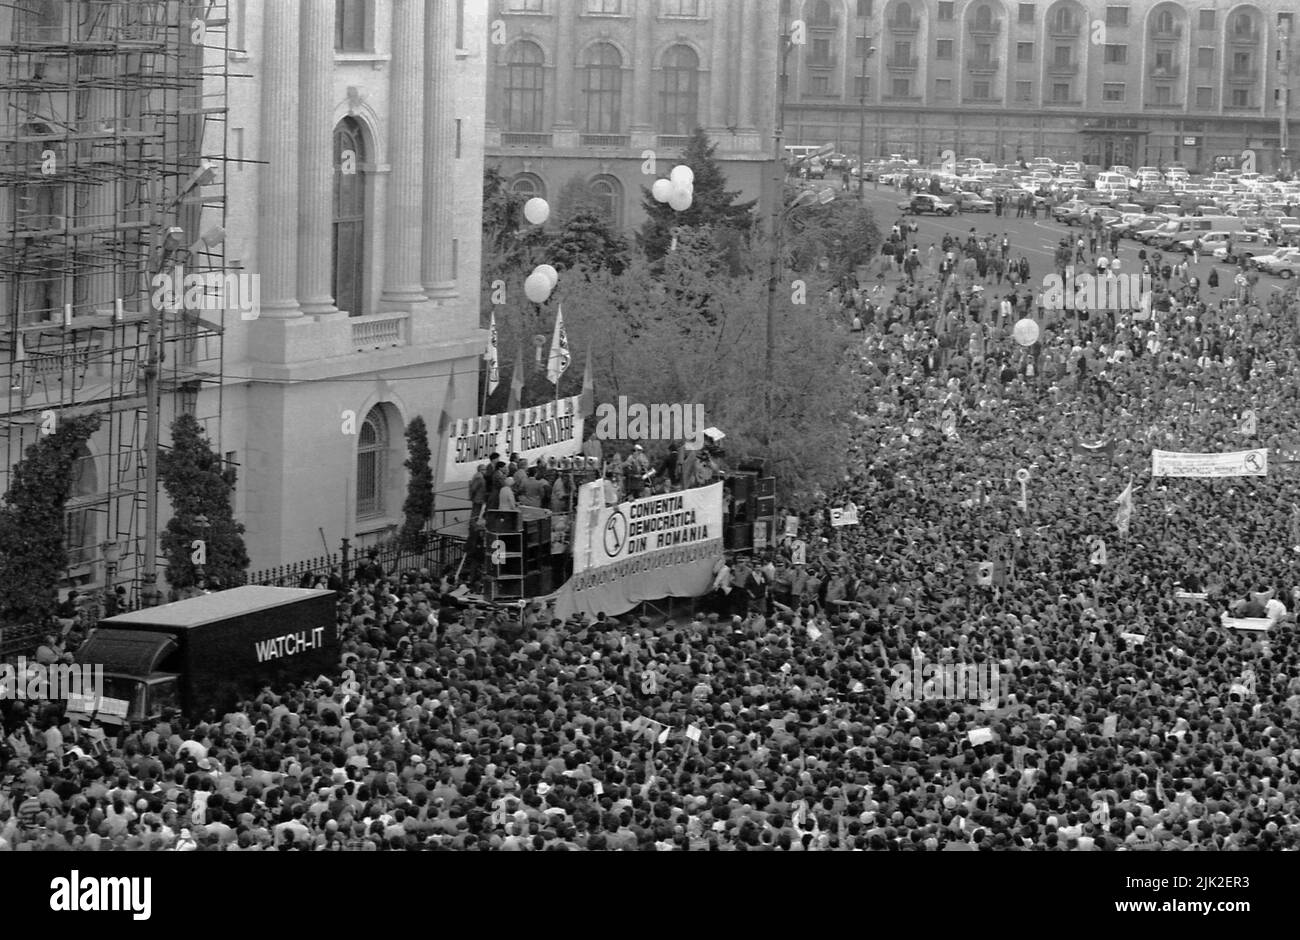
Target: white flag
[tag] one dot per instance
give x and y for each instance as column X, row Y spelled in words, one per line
column 1124, row 515
column 491, row 356
column 558, row 363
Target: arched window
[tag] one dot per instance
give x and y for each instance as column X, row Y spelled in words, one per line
column 821, row 14
column 528, row 186
column 1164, row 22
column 525, row 89
column 983, row 16
column 1064, row 18
column 604, row 77
column 680, row 92
column 1242, row 24
column 372, row 451
column 903, row 14
column 349, row 217
column 81, row 533
column 607, row 193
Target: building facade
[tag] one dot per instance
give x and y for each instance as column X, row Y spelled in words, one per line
column 355, row 188
column 1141, row 83
column 590, row 90
column 324, row 156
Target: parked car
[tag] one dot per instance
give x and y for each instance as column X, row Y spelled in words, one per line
column 972, row 202
column 1280, row 261
column 1245, row 245
column 923, row 203
column 1075, row 210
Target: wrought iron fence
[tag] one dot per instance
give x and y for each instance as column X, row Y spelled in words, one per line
column 437, row 552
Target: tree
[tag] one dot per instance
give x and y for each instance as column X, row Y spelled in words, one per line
column 587, row 238
column 842, row 232
column 419, row 488
column 199, row 489
column 33, row 552
column 649, row 346
column 575, row 197
column 508, row 238
column 714, row 205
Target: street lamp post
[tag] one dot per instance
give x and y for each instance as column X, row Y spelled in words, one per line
column 779, row 173
column 867, row 52
column 805, row 199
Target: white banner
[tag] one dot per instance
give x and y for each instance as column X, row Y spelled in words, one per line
column 846, row 516
column 645, row 526
column 550, row 430
column 1242, row 463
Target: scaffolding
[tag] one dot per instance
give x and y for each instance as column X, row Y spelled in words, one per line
column 113, row 143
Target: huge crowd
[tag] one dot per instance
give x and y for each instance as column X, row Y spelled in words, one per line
column 1128, row 715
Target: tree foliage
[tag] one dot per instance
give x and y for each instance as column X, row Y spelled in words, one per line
column 650, row 347
column 587, row 238
column 418, row 508
column 843, row 233
column 33, row 552
column 200, row 491
column 714, row 205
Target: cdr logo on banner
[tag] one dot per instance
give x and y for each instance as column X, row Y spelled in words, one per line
column 76, row 893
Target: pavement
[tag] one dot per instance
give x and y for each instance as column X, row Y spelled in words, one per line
column 1036, row 239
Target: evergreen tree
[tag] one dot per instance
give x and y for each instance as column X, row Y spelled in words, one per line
column 33, row 552
column 419, row 488
column 714, row 205
column 200, row 490
column 588, row 240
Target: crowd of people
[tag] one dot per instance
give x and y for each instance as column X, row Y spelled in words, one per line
column 1128, row 716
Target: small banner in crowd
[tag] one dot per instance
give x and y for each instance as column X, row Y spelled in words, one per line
column 846, row 516
column 1242, row 463
column 1103, row 449
column 1249, row 423
column 550, row 430
column 1098, row 556
column 1253, row 624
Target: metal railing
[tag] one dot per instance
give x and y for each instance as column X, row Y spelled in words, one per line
column 437, row 552
column 515, row 139
column 604, row 140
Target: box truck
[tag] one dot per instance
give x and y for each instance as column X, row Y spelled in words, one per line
column 210, row 651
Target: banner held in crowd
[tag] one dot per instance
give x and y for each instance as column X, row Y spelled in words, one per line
column 1242, row 463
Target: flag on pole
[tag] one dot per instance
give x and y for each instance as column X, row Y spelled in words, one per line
column 492, row 358
column 1248, row 423
column 517, row 382
column 445, row 422
column 587, row 403
column 558, row 363
column 1124, row 515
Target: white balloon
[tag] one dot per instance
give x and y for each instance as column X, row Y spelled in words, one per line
column 662, row 190
column 682, row 174
column 681, row 201
column 552, row 275
column 538, row 287
column 537, row 210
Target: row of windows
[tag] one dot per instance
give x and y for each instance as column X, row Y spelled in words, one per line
column 1061, row 93
column 1112, row 54
column 524, row 100
column 1115, row 16
column 693, row 8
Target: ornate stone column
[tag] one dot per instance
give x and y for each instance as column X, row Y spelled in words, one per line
column 403, row 244
column 439, row 149
column 315, row 213
column 278, row 177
